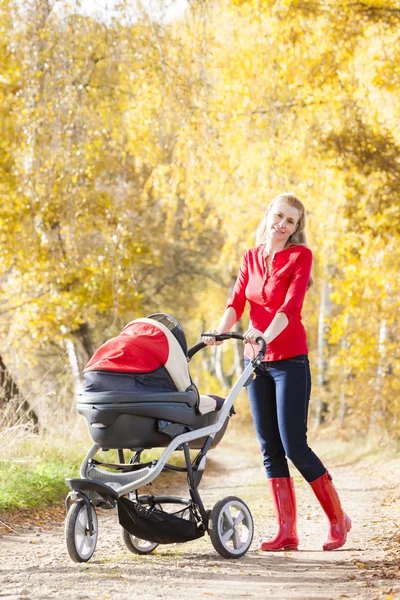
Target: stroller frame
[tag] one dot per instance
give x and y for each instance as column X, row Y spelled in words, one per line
column 99, row 488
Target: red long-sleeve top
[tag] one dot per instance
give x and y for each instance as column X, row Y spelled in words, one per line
column 282, row 290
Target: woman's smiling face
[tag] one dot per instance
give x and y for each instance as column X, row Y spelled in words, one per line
column 282, row 220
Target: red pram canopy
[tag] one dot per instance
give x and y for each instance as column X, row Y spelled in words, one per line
column 147, row 346
column 143, row 346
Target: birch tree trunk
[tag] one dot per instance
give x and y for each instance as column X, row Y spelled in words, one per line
column 325, row 313
column 343, row 403
column 377, row 408
column 73, row 361
column 226, row 378
column 345, row 376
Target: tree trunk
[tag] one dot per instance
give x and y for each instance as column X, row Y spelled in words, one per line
column 377, row 408
column 73, row 361
column 226, row 379
column 238, row 350
column 85, row 345
column 344, row 378
column 207, row 362
column 325, row 312
column 12, row 401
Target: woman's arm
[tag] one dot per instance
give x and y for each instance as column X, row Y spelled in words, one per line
column 277, row 325
column 298, row 285
column 227, row 321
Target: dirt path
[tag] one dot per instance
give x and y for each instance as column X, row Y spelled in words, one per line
column 35, row 565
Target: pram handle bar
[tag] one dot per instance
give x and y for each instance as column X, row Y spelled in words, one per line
column 226, row 336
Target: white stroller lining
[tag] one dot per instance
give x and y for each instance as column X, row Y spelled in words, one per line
column 177, row 367
column 207, row 404
column 176, row 364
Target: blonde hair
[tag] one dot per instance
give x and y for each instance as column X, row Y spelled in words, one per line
column 298, row 238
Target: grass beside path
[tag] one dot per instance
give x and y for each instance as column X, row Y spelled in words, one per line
column 33, row 472
column 33, row 469
column 25, row 485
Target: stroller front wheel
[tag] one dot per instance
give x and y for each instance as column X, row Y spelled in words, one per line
column 231, row 527
column 137, row 545
column 80, row 542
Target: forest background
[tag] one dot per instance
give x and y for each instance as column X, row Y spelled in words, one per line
column 137, row 156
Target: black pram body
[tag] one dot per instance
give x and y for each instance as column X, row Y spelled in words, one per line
column 139, row 392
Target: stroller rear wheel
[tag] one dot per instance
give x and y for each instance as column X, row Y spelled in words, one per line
column 136, row 545
column 231, row 527
column 80, row 543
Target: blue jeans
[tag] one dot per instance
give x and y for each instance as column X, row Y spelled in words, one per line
column 279, row 398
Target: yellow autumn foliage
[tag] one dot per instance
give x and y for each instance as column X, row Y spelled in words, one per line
column 137, row 157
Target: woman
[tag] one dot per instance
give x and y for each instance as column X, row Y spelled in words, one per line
column 273, row 278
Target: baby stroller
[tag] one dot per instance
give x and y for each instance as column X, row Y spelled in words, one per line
column 140, row 396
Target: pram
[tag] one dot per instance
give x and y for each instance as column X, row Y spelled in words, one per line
column 146, row 400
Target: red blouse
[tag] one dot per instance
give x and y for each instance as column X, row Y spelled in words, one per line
column 282, row 290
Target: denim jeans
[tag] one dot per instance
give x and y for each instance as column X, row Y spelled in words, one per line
column 279, row 398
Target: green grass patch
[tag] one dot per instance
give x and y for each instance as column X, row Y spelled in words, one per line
column 33, row 469
column 27, row 485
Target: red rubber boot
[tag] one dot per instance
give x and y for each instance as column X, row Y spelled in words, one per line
column 340, row 523
column 284, row 498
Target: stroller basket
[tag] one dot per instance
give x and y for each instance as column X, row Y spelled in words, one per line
column 156, row 525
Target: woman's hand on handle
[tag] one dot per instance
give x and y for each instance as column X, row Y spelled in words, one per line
column 251, row 335
column 228, row 320
column 211, row 341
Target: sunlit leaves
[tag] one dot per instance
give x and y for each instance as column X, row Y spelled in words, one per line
column 137, row 159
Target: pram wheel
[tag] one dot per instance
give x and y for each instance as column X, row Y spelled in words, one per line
column 136, row 545
column 80, row 544
column 231, row 527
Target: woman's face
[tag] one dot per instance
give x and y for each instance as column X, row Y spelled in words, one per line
column 282, row 220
